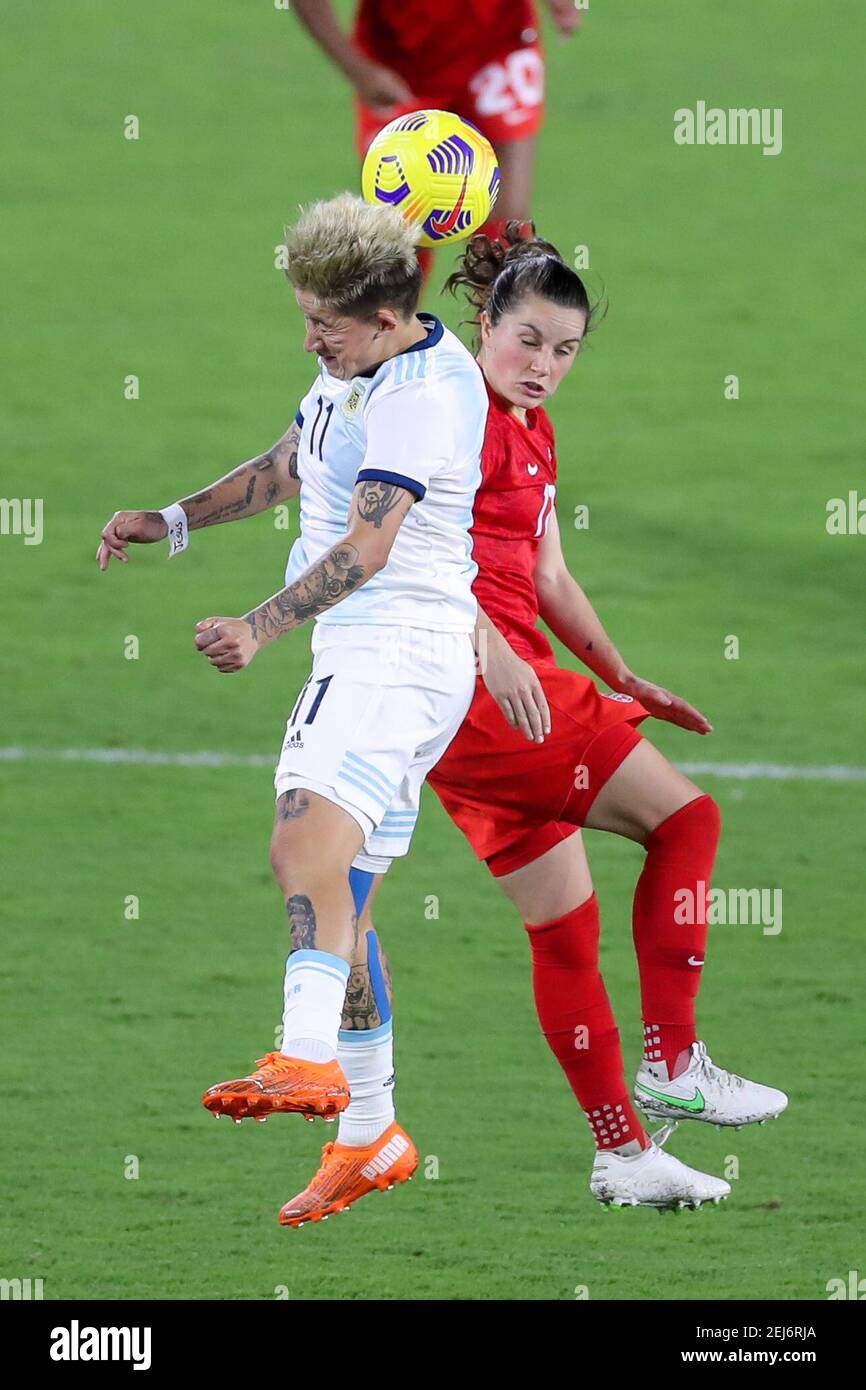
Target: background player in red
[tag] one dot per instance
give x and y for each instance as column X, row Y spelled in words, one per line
column 521, row 803
column 480, row 58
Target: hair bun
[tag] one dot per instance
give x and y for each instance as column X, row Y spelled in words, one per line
column 486, row 256
column 495, row 272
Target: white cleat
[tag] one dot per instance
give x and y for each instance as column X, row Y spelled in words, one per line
column 652, row 1178
column 705, row 1092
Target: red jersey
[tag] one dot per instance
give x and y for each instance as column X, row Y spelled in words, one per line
column 436, row 33
column 513, row 799
column 512, row 511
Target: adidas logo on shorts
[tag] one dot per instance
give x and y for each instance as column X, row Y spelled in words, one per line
column 294, row 741
column 385, row 1157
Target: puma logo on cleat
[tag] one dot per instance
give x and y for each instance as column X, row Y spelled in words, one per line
column 385, row 1157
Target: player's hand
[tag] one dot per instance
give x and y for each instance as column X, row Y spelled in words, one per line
column 566, row 16
column 516, row 689
column 228, row 643
column 663, row 704
column 381, row 88
column 140, row 528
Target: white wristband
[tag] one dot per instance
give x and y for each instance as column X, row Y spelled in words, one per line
column 178, row 528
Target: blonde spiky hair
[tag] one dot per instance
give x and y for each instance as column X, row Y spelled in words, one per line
column 354, row 256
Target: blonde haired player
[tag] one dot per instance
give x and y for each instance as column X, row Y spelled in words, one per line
column 385, row 454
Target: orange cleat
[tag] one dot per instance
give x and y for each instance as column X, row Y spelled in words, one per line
column 349, row 1172
column 288, row 1084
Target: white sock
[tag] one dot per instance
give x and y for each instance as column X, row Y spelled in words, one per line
column 629, row 1150
column 313, row 995
column 367, row 1058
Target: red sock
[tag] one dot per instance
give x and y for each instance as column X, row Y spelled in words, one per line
column 494, row 228
column 577, row 1020
column 670, row 930
column 425, row 259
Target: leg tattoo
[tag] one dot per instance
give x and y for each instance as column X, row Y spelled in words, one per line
column 292, row 804
column 302, row 922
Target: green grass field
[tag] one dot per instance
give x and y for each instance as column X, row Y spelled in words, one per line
column 707, row 519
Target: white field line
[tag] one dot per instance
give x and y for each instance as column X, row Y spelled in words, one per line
column 774, row 772
column 139, row 757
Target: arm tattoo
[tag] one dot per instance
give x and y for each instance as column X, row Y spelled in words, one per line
column 283, row 457
column 323, row 585
column 334, row 576
column 375, row 500
column 236, row 495
column 302, row 922
column 205, row 510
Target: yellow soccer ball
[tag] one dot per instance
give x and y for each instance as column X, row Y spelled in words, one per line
column 438, row 170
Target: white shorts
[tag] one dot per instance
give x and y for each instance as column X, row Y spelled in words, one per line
column 381, row 705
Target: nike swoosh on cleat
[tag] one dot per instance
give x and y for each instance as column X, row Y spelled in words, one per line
column 692, row 961
column 696, row 1103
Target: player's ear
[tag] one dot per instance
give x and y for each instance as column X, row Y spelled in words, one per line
column 386, row 320
column 485, row 325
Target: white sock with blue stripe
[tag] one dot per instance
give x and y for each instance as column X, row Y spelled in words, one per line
column 367, row 1058
column 313, row 995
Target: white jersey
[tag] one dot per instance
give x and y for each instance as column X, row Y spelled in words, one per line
column 418, row 421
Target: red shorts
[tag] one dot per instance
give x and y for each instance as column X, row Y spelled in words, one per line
column 502, row 94
column 513, row 799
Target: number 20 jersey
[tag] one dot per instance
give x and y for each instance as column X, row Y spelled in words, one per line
column 417, row 421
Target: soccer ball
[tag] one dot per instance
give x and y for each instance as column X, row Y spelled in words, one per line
column 438, row 169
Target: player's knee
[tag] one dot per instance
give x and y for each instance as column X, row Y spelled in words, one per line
column 277, row 856
column 289, row 855
column 713, row 813
column 697, row 825
column 704, row 817
column 303, row 860
column 569, row 943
